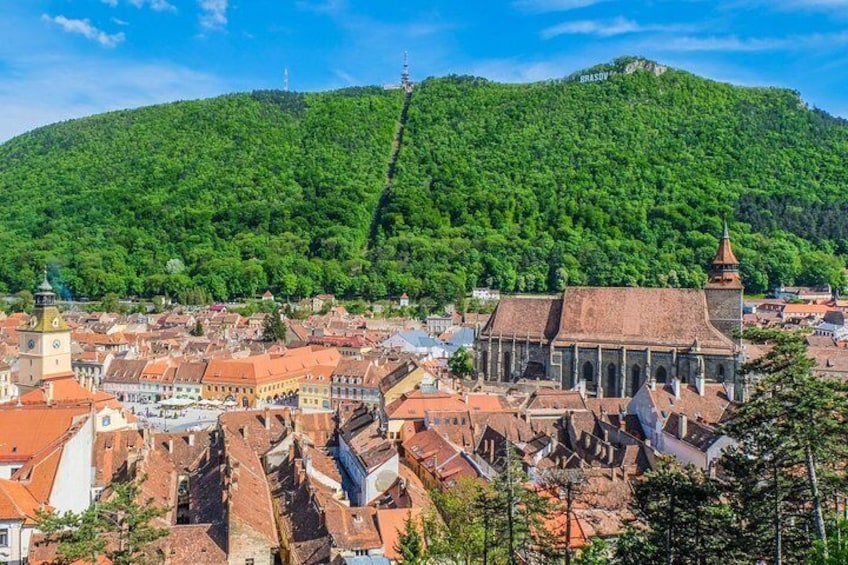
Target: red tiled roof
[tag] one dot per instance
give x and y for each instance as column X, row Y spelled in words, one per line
column 390, row 522
column 17, row 503
column 24, row 431
column 670, row 317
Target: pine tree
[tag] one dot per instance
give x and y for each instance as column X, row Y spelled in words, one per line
column 688, row 521
column 274, row 329
column 519, row 513
column 410, row 544
column 794, row 441
column 119, row 528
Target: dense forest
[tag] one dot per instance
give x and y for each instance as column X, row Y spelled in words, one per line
column 523, row 187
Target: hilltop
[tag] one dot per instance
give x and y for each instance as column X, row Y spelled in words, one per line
column 623, row 179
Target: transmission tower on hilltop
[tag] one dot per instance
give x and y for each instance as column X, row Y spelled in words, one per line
column 405, row 83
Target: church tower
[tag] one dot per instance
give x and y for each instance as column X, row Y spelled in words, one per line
column 724, row 290
column 45, row 343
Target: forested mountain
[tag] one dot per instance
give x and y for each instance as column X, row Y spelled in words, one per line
column 524, row 187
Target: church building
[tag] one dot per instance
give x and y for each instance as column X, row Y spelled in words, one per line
column 608, row 341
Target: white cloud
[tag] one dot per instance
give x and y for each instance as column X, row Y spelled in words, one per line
column 213, row 15
column 544, row 6
column 84, row 28
column 155, row 5
column 41, row 92
column 731, row 43
column 618, row 26
column 116, row 21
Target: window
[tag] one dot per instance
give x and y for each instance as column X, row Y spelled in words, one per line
column 248, row 562
column 4, row 537
column 106, row 421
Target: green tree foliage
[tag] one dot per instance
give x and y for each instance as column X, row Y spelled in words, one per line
column 24, row 301
column 596, row 553
column 197, row 330
column 501, row 522
column 457, row 530
column 834, row 551
column 461, row 364
column 520, row 187
column 688, row 521
column 119, row 527
column 410, row 544
column 793, row 445
column 273, row 328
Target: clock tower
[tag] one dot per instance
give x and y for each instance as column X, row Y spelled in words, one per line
column 45, row 343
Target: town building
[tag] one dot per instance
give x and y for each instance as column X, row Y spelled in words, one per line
column 315, row 391
column 45, row 343
column 485, row 295
column 610, row 341
column 370, row 460
column 263, row 378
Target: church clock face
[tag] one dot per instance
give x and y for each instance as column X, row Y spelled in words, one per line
column 31, row 344
column 57, row 344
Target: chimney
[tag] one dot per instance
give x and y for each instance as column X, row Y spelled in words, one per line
column 700, row 384
column 610, row 455
column 49, row 393
column 682, row 426
column 191, row 439
column 675, row 387
column 652, row 383
column 267, row 418
column 244, row 432
column 171, row 445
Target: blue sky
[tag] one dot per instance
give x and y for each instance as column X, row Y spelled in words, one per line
column 61, row 59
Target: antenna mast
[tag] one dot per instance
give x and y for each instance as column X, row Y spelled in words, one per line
column 404, row 75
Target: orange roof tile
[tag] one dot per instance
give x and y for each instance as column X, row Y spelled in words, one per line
column 24, row 431
column 390, row 522
column 413, row 405
column 17, row 503
column 261, row 369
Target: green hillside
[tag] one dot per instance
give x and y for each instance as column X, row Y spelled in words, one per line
column 523, row 187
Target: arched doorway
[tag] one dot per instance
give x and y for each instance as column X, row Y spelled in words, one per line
column 661, row 374
column 588, row 372
column 635, row 379
column 611, row 389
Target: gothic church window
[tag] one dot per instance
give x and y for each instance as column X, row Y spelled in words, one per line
column 610, row 389
column 661, row 374
column 635, row 379
column 588, row 372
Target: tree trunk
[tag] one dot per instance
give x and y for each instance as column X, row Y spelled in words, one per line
column 778, row 541
column 821, row 532
column 569, row 497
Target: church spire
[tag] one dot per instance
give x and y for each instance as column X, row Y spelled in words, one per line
column 724, row 270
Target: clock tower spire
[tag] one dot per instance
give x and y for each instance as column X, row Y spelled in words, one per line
column 45, row 342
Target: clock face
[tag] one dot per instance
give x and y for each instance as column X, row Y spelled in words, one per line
column 57, row 344
column 31, row 344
